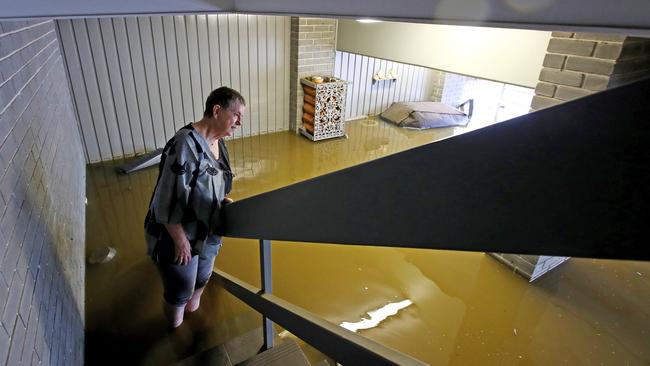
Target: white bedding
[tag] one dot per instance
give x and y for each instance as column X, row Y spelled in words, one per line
column 423, row 115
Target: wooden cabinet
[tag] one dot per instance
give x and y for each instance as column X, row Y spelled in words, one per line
column 323, row 108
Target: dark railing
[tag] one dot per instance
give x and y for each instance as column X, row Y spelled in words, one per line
column 572, row 180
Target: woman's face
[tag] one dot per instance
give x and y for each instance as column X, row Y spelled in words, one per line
column 227, row 119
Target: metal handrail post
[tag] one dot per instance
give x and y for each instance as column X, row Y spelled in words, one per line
column 267, row 288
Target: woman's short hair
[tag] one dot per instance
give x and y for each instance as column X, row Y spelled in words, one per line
column 224, row 97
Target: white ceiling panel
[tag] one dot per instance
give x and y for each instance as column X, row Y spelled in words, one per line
column 624, row 16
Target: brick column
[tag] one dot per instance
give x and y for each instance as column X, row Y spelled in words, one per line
column 438, row 85
column 313, row 52
column 576, row 65
column 579, row 64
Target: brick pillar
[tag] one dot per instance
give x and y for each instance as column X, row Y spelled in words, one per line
column 438, row 85
column 579, row 64
column 313, row 52
column 576, row 65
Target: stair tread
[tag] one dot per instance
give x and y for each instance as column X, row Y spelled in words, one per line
column 287, row 353
column 235, row 350
column 216, row 356
column 245, row 346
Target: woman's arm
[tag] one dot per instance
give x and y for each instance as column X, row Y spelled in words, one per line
column 182, row 250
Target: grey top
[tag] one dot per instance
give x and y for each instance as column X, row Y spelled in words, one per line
column 191, row 185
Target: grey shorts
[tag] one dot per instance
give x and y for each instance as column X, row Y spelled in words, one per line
column 179, row 282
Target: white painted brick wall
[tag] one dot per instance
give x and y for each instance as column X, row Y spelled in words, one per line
column 42, row 209
column 530, row 267
column 576, row 65
column 313, row 52
column 584, row 63
column 545, row 264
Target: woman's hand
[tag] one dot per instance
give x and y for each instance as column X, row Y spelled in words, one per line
column 182, row 248
column 182, row 251
column 226, row 201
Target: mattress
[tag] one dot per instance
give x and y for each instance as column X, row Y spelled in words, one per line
column 423, row 115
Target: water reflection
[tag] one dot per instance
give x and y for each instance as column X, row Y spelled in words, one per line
column 467, row 309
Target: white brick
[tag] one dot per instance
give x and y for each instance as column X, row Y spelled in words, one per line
column 569, row 78
column 590, row 65
column 562, row 34
column 570, row 93
column 600, row 36
column 554, row 60
column 609, row 51
column 540, row 102
column 571, row 47
column 306, row 28
column 545, row 89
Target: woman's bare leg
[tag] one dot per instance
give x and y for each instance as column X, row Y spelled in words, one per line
column 173, row 314
column 195, row 301
column 204, row 272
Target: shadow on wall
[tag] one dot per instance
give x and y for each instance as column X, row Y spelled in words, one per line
column 43, row 189
column 44, row 307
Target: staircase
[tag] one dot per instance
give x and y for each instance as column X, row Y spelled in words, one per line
column 244, row 350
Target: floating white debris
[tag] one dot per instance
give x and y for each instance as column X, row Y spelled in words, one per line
column 377, row 316
column 285, row 333
column 102, row 255
column 639, row 274
column 514, row 331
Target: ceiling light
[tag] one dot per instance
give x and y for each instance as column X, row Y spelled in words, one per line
column 367, row 20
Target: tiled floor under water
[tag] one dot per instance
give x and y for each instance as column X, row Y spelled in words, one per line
column 467, row 309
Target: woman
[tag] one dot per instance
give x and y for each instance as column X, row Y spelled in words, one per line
column 193, row 179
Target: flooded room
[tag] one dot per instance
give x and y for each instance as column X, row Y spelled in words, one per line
column 312, row 183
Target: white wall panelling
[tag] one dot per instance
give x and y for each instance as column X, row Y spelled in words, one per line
column 136, row 80
column 414, row 83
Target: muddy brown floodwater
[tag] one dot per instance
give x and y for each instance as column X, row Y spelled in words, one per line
column 442, row 307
